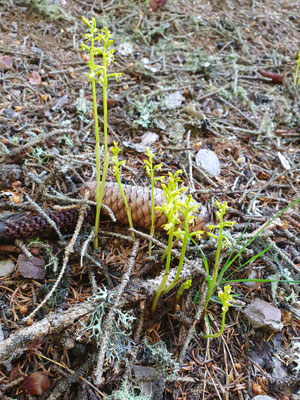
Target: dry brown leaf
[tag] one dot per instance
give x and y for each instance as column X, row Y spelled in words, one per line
column 31, row 268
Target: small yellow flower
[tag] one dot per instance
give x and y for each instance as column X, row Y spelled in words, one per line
column 225, row 298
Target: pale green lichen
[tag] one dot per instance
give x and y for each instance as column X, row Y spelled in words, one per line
column 119, row 343
column 145, row 109
column 124, row 393
column 162, row 359
column 52, row 11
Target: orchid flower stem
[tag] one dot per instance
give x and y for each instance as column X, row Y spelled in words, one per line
column 215, row 335
column 116, row 168
column 211, row 288
column 176, row 209
column 100, row 190
column 150, row 169
column 181, row 261
column 167, row 268
column 152, row 216
column 128, row 209
column 97, row 146
column 98, row 74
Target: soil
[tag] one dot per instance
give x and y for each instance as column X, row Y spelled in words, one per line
column 212, row 89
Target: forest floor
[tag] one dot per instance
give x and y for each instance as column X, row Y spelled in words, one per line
column 216, row 76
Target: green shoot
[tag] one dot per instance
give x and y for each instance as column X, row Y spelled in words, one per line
column 116, row 169
column 188, row 210
column 150, row 169
column 231, row 260
column 225, row 298
column 176, row 209
column 184, row 286
column 214, row 282
column 222, row 207
column 98, row 74
column 171, row 209
column 297, row 75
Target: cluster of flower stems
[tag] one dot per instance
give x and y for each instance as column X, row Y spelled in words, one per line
column 179, row 209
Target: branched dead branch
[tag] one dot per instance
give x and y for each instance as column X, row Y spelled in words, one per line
column 17, row 343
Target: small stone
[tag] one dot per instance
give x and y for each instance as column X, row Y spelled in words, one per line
column 263, row 397
column 264, row 315
column 148, row 138
column 174, row 100
column 125, row 49
column 6, row 267
column 208, row 160
column 253, row 274
column 11, row 114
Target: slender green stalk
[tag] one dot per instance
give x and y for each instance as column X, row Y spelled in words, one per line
column 116, row 168
column 98, row 74
column 188, row 210
column 152, row 217
column 215, row 335
column 100, row 189
column 174, row 207
column 180, row 265
column 225, row 297
column 169, row 249
column 216, row 265
column 167, row 268
column 265, row 226
column 97, row 146
column 222, row 207
column 150, row 169
column 171, row 210
column 231, row 259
